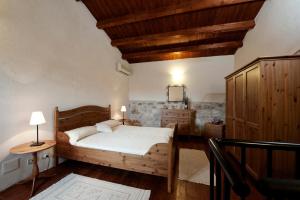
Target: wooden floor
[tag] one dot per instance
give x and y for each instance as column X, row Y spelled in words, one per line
column 182, row 190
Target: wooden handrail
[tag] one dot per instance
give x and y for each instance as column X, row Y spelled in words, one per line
column 285, row 146
column 239, row 186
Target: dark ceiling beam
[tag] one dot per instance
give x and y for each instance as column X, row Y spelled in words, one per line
column 182, row 55
column 185, row 35
column 180, row 50
column 189, row 6
column 175, row 40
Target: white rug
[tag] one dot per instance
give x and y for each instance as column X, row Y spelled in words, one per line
column 193, row 166
column 76, row 187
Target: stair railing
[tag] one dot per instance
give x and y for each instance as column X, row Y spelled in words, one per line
column 269, row 187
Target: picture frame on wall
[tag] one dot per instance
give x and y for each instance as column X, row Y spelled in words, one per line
column 176, row 93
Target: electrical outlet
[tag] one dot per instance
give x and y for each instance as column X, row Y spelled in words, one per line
column 45, row 156
column 29, row 161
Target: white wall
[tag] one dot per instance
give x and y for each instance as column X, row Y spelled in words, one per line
column 202, row 77
column 51, row 55
column 277, row 32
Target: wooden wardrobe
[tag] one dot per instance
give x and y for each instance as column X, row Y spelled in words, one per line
column 263, row 103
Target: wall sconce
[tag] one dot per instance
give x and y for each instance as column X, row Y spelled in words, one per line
column 177, row 76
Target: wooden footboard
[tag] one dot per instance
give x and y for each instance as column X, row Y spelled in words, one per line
column 158, row 161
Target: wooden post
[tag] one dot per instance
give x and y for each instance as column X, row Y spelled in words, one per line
column 171, row 155
column 55, row 135
column 35, row 172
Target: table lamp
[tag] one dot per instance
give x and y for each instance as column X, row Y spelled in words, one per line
column 37, row 118
column 123, row 110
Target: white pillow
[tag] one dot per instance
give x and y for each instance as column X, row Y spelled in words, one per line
column 107, row 126
column 104, row 128
column 79, row 133
column 112, row 123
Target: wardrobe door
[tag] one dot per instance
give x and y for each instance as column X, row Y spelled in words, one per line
column 255, row 157
column 239, row 102
column 282, row 83
column 230, row 111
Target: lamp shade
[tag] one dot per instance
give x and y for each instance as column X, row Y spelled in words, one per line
column 37, row 118
column 123, row 109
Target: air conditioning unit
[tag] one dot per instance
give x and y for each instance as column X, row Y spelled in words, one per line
column 124, row 69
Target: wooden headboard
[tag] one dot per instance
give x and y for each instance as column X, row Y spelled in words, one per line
column 79, row 117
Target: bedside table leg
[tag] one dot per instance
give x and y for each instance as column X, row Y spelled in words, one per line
column 35, row 172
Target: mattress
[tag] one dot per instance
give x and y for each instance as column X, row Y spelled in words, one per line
column 127, row 139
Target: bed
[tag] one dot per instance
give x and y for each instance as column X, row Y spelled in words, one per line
column 96, row 149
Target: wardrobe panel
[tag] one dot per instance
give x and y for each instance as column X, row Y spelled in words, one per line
column 229, row 97
column 252, row 95
column 239, row 96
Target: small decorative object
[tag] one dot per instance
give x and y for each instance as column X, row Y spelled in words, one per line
column 176, row 93
column 186, row 103
column 123, row 110
column 216, row 121
column 37, row 118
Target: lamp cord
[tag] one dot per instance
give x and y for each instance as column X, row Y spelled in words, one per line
column 48, row 163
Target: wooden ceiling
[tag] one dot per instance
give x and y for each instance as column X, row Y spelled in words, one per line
column 152, row 30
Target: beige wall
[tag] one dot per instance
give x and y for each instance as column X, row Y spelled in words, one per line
column 51, row 54
column 277, row 32
column 203, row 77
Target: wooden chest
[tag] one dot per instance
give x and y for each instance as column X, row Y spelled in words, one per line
column 213, row 130
column 184, row 118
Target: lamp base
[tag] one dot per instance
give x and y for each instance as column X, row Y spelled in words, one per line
column 36, row 144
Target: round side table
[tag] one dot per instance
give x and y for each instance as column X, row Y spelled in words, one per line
column 26, row 149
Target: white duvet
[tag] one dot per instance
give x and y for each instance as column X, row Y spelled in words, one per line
column 127, row 139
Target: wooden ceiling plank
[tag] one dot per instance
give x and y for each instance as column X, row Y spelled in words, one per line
column 200, row 33
column 179, row 50
column 189, row 6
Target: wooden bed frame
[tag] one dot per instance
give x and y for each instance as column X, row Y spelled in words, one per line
column 158, row 161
